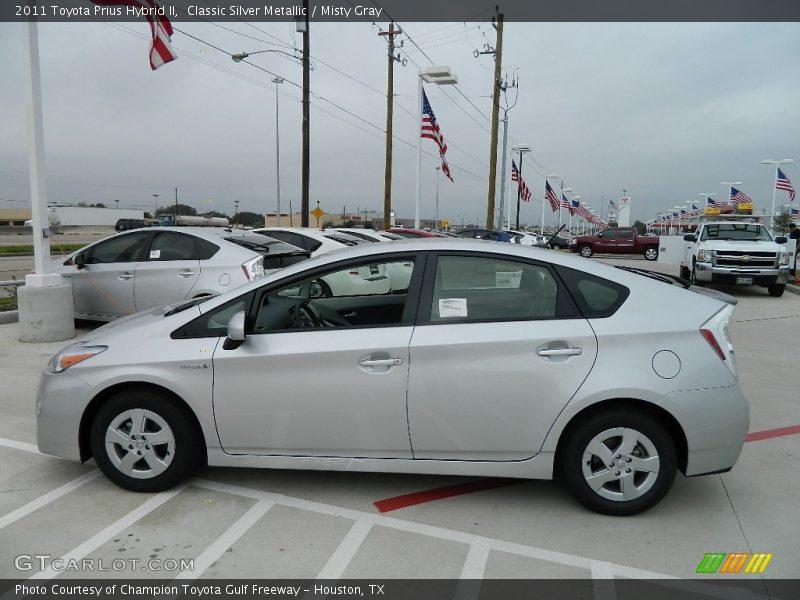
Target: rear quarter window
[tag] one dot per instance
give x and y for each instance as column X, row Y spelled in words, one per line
column 596, row 297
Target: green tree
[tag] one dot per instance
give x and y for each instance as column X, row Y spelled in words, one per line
column 248, row 219
column 782, row 222
column 182, row 209
column 640, row 227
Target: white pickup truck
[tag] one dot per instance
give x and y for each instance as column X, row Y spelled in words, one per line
column 736, row 253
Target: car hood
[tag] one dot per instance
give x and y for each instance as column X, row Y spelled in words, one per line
column 138, row 320
column 742, row 245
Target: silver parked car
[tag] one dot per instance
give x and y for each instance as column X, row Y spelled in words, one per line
column 497, row 360
column 144, row 268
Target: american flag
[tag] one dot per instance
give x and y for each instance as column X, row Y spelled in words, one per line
column 583, row 212
column 783, row 183
column 794, row 212
column 566, row 203
column 430, row 129
column 524, row 192
column 711, row 202
column 739, row 197
column 550, row 196
column 613, row 204
column 575, row 207
column 161, row 51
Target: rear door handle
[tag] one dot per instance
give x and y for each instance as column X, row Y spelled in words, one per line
column 124, row 276
column 380, row 362
column 185, row 274
column 560, row 352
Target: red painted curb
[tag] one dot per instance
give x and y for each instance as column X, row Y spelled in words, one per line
column 390, row 504
column 772, row 433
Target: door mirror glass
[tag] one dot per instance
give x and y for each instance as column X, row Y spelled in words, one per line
column 690, row 237
column 236, row 327
column 79, row 260
column 780, row 240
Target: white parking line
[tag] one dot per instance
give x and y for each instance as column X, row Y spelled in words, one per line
column 434, row 531
column 345, row 551
column 229, row 537
column 17, row 445
column 475, row 563
column 26, row 509
column 106, row 534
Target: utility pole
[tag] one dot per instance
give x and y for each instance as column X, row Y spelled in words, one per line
column 306, row 128
column 387, row 174
column 503, row 88
column 498, row 63
column 176, row 202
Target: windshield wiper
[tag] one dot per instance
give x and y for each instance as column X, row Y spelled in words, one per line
column 186, row 305
column 663, row 277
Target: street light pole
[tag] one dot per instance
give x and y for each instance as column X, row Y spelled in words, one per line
column 277, row 80
column 769, row 161
column 440, row 75
column 155, row 200
column 519, row 149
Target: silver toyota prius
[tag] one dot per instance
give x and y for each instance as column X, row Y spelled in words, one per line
column 496, row 360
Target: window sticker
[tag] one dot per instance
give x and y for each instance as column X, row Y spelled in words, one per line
column 452, row 308
column 155, row 253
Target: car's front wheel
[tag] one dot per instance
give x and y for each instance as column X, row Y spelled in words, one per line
column 776, row 290
column 144, row 441
column 619, row 462
column 586, row 251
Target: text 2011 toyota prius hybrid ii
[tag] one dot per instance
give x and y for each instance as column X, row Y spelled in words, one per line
column 496, row 360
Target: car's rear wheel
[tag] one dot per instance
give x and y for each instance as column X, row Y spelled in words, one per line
column 586, row 251
column 619, row 462
column 685, row 273
column 651, row 253
column 776, row 290
column 144, row 441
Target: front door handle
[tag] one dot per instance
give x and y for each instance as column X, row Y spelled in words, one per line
column 380, row 362
column 560, row 352
column 125, row 276
column 185, row 274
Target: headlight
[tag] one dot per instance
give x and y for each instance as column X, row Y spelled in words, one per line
column 72, row 355
column 783, row 258
column 705, row 255
column 573, row 241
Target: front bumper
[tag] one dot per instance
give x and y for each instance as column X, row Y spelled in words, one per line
column 709, row 273
column 60, row 403
column 715, row 423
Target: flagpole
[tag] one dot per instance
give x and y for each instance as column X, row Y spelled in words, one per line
column 45, row 303
column 774, row 191
column 560, row 200
column 419, row 151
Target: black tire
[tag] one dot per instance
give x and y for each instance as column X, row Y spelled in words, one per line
column 182, row 457
column 654, row 441
column 685, row 273
column 693, row 278
column 776, row 290
column 586, row 251
column 650, row 253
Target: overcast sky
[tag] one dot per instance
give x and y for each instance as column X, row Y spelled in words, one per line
column 665, row 111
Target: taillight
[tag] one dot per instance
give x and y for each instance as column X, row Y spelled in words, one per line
column 715, row 332
column 253, row 268
column 712, row 341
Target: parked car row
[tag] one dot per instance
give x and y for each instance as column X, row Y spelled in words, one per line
column 495, row 360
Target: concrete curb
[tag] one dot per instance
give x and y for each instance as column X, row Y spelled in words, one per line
column 795, row 289
column 9, row 316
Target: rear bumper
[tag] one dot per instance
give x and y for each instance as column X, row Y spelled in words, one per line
column 711, row 274
column 715, row 423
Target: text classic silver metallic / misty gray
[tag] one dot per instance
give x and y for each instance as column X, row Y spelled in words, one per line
column 496, row 360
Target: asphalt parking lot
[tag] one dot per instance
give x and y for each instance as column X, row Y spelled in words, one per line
column 323, row 525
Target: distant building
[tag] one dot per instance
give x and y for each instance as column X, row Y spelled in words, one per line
column 90, row 215
column 14, row 217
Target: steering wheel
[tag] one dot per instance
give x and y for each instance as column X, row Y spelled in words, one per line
column 304, row 317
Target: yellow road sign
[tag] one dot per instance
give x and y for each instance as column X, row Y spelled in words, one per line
column 318, row 212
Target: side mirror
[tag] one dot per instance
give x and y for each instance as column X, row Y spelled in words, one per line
column 236, row 334
column 79, row 260
column 780, row 240
column 690, row 237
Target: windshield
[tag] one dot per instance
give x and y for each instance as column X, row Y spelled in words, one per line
column 736, row 231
